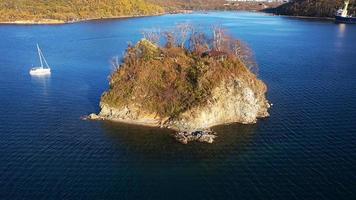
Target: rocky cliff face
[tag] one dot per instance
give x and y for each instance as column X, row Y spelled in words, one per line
column 233, row 101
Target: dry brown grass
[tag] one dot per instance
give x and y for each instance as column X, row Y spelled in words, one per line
column 173, row 77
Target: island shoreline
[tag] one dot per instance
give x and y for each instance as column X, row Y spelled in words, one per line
column 96, row 117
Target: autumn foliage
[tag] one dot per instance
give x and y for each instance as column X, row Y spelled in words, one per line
column 72, row 10
column 168, row 73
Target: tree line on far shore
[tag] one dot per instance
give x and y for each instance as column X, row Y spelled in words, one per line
column 72, row 10
column 173, row 5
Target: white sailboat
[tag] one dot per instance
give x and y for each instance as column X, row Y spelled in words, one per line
column 44, row 69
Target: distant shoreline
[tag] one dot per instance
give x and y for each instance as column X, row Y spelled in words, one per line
column 58, row 22
column 34, row 22
column 274, row 12
column 302, row 17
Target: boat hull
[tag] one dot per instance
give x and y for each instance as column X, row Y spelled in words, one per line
column 345, row 20
column 40, row 71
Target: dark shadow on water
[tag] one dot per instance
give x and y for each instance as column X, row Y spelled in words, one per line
column 310, row 19
column 156, row 143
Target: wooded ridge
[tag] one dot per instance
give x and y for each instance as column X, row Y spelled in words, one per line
column 73, row 10
column 313, row 8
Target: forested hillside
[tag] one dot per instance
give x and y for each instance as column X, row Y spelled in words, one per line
column 190, row 4
column 313, row 8
column 72, row 10
column 172, row 5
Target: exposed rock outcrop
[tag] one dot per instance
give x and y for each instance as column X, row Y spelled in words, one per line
column 230, row 102
column 199, row 136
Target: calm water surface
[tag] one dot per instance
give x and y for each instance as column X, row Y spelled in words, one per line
column 305, row 150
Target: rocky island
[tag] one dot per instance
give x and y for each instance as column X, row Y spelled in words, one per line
column 190, row 83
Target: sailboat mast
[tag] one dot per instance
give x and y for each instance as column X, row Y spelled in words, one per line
column 44, row 60
column 344, row 11
column 39, row 55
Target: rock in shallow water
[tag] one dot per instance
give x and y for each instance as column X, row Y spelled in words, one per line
column 199, row 136
column 92, row 116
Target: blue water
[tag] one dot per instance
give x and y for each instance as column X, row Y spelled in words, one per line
column 306, row 149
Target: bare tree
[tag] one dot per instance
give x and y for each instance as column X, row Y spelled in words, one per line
column 115, row 64
column 216, row 44
column 153, row 36
column 183, row 30
column 245, row 54
column 198, row 42
column 218, row 34
column 170, row 39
